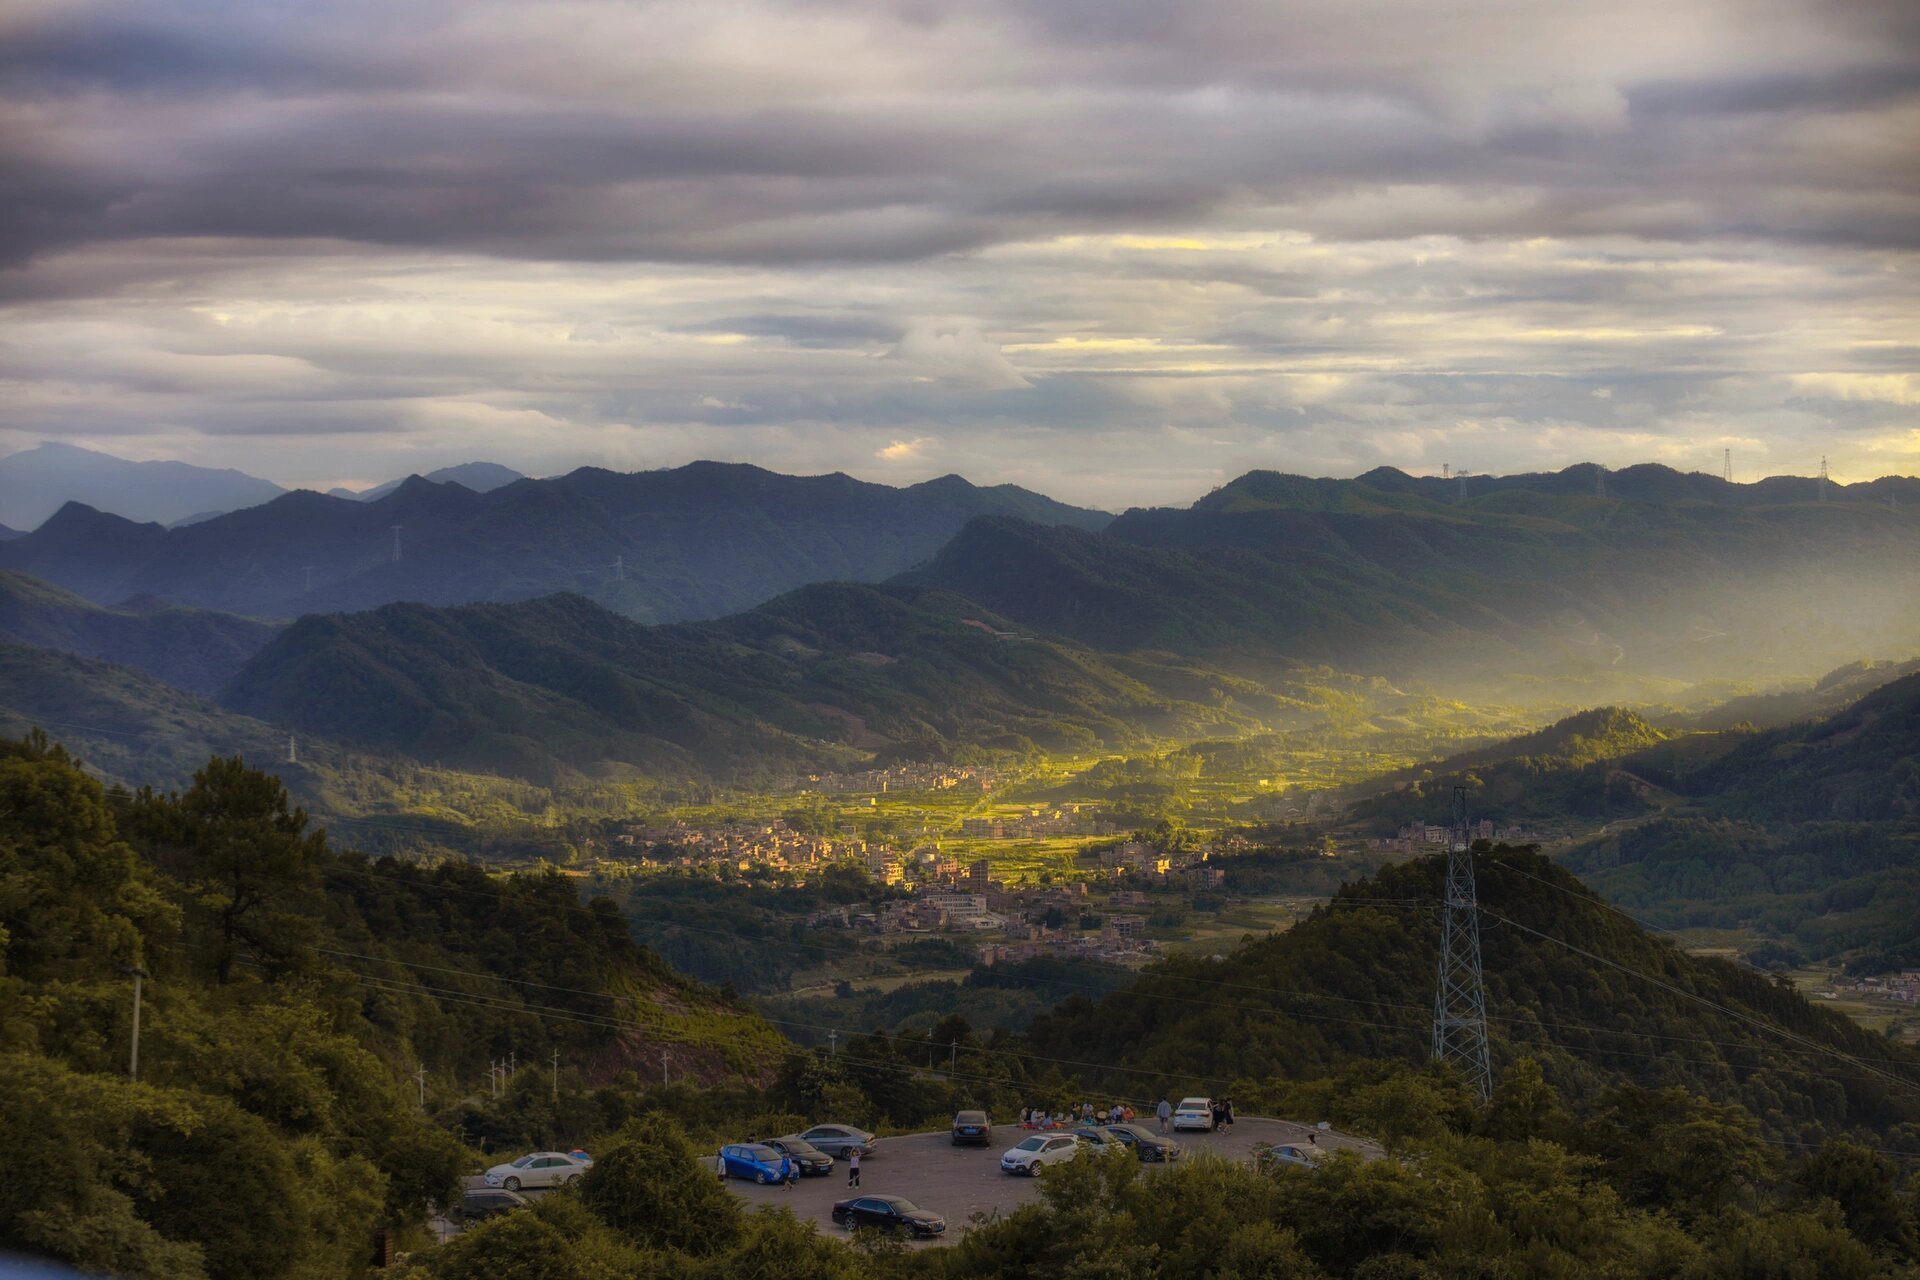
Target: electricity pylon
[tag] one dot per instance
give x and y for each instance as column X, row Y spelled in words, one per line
column 1460, row 997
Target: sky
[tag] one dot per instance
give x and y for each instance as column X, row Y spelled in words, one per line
column 1116, row 250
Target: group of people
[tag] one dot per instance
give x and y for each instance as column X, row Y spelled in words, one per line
column 1084, row 1114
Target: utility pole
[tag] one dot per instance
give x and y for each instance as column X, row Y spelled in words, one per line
column 665, row 1056
column 420, row 1078
column 396, row 542
column 293, row 752
column 1446, row 471
column 929, row 1048
column 620, row 568
column 1460, row 996
column 133, row 1061
column 556, row 1075
column 833, row 1043
column 953, row 1057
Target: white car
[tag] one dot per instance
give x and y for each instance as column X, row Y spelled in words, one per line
column 1040, row 1151
column 1194, row 1113
column 540, row 1169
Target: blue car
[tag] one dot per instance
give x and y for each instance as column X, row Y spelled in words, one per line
column 755, row 1161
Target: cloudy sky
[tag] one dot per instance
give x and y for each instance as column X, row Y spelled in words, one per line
column 1118, row 250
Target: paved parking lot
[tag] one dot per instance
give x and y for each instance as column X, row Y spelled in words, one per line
column 958, row 1182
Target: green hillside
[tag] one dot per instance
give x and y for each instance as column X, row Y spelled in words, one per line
column 1808, row 835
column 291, row 994
column 189, row 648
column 824, row 676
column 1626, row 598
column 1571, row 983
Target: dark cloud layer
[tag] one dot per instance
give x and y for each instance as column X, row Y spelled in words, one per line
column 924, row 235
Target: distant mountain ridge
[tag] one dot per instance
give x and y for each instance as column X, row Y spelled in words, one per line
column 702, row 540
column 1515, row 582
column 481, row 477
column 37, row 482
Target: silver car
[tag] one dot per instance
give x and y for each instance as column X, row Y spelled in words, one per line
column 539, row 1169
column 840, row 1140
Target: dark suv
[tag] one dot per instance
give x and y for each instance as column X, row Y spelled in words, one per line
column 972, row 1126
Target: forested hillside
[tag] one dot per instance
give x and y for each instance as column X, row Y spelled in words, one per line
column 190, row 649
column 1570, row 982
column 1808, row 834
column 290, row 994
column 821, row 677
column 660, row 546
column 1620, row 595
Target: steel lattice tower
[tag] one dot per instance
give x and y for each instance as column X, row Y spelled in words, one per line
column 1460, row 996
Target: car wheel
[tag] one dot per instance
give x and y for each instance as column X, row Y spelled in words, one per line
column 511, row 1184
column 570, row 1179
column 761, row 1177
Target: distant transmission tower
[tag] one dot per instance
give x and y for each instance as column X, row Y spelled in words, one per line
column 1460, row 998
column 1599, row 481
column 293, row 752
column 309, row 573
column 620, row 568
column 1726, row 465
column 1823, row 479
column 1446, row 471
column 396, row 542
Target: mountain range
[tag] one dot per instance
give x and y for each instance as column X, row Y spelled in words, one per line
column 481, row 477
column 815, row 679
column 1483, row 594
column 698, row 541
column 35, row 483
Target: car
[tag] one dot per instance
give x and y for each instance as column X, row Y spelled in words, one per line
column 754, row 1161
column 479, row 1204
column 1194, row 1113
column 1277, row 1157
column 807, row 1157
column 1146, row 1144
column 888, row 1213
column 539, row 1169
column 838, row 1140
column 1039, row 1151
column 972, row 1126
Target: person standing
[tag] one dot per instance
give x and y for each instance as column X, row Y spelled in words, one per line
column 1165, row 1112
column 1226, row 1116
column 786, row 1171
column 853, row 1167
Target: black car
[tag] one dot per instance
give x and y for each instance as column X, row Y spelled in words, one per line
column 888, row 1213
column 972, row 1126
column 1146, row 1144
column 482, row 1203
column 807, row 1158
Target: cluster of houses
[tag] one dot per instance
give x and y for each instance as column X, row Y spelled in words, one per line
column 1015, row 923
column 1037, row 823
column 1418, row 837
column 1901, row 988
column 899, row 777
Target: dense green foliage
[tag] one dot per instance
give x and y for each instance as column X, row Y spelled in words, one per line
column 1569, row 981
column 290, row 993
column 1809, row 834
